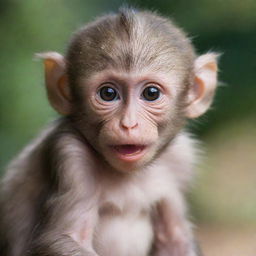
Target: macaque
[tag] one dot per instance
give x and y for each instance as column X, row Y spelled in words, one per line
column 109, row 177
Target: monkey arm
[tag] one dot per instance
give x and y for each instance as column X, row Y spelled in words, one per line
column 173, row 233
column 64, row 241
column 71, row 210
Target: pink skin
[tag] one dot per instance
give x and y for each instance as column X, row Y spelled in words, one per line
column 130, row 120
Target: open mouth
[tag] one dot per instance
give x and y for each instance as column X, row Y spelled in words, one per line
column 129, row 152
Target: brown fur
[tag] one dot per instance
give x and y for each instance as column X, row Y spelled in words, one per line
column 130, row 40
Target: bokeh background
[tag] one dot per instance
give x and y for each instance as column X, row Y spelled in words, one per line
column 223, row 200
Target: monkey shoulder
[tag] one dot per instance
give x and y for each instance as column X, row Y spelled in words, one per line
column 41, row 159
column 69, row 160
column 181, row 158
column 26, row 167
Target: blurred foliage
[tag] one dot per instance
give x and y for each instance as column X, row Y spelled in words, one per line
column 228, row 27
column 225, row 190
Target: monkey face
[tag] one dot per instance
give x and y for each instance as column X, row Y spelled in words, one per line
column 128, row 116
column 130, row 88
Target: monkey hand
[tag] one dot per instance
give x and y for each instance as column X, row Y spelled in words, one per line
column 90, row 253
column 175, row 250
column 175, row 247
column 61, row 246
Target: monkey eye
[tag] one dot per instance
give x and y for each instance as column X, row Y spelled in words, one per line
column 108, row 93
column 151, row 93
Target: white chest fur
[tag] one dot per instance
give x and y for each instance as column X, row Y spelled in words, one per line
column 124, row 226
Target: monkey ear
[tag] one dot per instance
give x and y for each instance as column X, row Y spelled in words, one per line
column 58, row 90
column 201, row 94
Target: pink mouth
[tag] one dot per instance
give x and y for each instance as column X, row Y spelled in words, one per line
column 129, row 152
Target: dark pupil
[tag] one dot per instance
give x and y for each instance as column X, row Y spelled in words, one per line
column 151, row 93
column 108, row 93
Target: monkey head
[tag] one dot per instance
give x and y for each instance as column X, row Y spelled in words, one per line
column 128, row 82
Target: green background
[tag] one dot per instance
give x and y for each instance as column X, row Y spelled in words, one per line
column 225, row 190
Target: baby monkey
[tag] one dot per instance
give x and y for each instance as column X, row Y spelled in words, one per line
column 109, row 177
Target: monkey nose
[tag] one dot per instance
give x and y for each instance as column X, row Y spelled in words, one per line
column 129, row 126
column 128, row 122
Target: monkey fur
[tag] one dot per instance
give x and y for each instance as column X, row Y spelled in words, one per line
column 110, row 176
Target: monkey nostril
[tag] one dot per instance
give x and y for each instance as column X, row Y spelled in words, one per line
column 129, row 126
